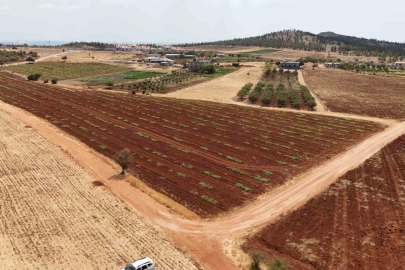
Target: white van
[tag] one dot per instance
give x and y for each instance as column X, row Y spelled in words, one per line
column 142, row 264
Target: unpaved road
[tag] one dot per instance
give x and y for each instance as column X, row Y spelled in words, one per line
column 52, row 217
column 203, row 238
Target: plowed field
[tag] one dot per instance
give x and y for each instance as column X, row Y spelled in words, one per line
column 357, row 223
column 209, row 157
column 347, row 92
column 52, row 217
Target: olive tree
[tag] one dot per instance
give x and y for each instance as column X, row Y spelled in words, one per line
column 123, row 158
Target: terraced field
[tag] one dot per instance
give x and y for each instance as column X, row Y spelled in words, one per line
column 209, row 157
column 357, row 223
column 53, row 217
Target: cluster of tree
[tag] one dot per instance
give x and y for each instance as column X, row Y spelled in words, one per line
column 363, row 46
column 309, row 99
column 283, row 39
column 245, row 90
column 98, row 45
column 34, row 77
column 254, row 95
column 208, row 69
column 281, row 96
column 295, row 99
column 300, row 40
column 12, row 56
column 366, row 67
column 268, row 94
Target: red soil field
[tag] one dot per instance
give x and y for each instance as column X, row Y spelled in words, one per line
column 357, row 223
column 207, row 156
column 347, row 92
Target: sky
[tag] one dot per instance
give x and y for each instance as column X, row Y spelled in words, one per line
column 181, row 21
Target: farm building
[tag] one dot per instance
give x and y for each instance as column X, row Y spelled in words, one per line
column 196, row 65
column 290, row 65
column 333, row 65
column 173, row 55
column 399, row 66
column 221, row 55
column 189, row 56
column 160, row 60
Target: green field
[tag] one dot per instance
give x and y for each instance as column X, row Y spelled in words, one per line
column 123, row 77
column 62, row 71
column 262, row 51
column 220, row 71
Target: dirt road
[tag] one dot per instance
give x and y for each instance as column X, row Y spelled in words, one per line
column 203, row 238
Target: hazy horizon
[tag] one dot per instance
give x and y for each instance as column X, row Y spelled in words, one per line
column 181, row 21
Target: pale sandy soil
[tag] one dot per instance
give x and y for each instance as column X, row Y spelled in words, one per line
column 51, row 216
column 222, row 89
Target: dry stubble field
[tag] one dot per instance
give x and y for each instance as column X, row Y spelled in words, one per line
column 348, row 92
column 51, row 216
column 357, row 223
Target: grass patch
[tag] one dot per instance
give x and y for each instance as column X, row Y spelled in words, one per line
column 132, row 75
column 207, row 186
column 241, row 186
column 220, row 71
column 208, row 199
column 64, row 71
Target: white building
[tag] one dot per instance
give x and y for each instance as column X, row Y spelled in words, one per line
column 399, row 66
column 333, row 65
column 160, row 60
column 173, row 55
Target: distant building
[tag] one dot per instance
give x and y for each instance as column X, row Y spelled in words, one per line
column 173, row 55
column 398, row 66
column 189, row 56
column 221, row 55
column 160, row 60
column 333, row 65
column 196, row 65
column 290, row 65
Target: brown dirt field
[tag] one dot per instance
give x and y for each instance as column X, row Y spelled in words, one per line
column 53, row 217
column 347, row 92
column 178, row 145
column 357, row 223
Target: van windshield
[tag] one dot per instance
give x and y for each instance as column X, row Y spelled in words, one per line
column 130, row 267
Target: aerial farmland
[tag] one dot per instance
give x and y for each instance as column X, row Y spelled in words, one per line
column 170, row 135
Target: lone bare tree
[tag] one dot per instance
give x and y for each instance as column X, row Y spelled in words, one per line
column 123, row 158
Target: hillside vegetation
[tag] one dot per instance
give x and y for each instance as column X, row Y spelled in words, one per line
column 300, row 40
